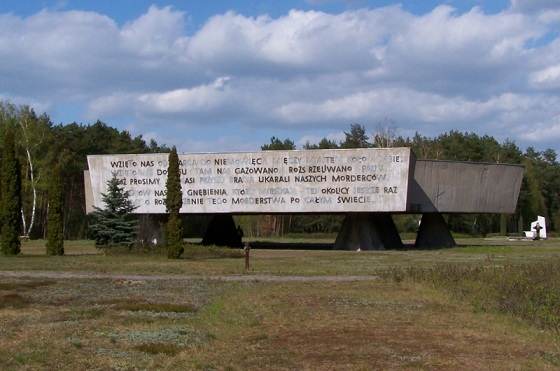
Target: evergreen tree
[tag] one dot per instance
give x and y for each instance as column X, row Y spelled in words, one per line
column 356, row 138
column 173, row 204
column 277, row 144
column 114, row 225
column 323, row 144
column 10, row 207
column 55, row 212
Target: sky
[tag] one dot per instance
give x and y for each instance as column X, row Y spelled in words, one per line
column 229, row 75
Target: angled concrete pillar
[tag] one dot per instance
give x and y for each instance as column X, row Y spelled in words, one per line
column 221, row 231
column 434, row 232
column 388, row 230
column 368, row 231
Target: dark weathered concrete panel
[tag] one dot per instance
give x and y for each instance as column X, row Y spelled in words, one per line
column 464, row 187
column 368, row 231
column 221, row 231
column 433, row 232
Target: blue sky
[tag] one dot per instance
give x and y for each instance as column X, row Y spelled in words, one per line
column 228, row 75
column 126, row 10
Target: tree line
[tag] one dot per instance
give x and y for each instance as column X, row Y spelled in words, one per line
column 40, row 146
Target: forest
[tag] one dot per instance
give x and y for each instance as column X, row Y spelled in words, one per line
column 42, row 145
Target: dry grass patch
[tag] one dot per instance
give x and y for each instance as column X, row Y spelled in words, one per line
column 200, row 324
column 13, row 300
column 81, row 313
column 24, row 285
column 158, row 348
column 155, row 307
column 528, row 291
column 365, row 326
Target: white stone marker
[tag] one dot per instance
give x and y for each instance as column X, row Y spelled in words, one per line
column 309, row 181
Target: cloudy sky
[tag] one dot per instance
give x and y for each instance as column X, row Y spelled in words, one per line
column 228, row 75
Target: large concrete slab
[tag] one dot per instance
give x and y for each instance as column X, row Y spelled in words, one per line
column 316, row 181
column 464, row 187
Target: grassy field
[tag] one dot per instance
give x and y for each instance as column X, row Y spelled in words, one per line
column 82, row 256
column 424, row 311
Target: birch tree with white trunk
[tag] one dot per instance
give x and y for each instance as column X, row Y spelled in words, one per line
column 32, row 137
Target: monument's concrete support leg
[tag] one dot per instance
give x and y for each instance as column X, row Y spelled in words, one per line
column 389, row 233
column 368, row 231
column 221, row 231
column 434, row 232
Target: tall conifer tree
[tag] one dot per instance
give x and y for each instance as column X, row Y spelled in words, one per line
column 173, row 203
column 55, row 227
column 10, row 207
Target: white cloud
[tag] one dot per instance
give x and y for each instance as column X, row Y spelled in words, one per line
column 200, row 98
column 546, row 78
column 305, row 70
column 159, row 31
column 543, row 131
column 298, row 42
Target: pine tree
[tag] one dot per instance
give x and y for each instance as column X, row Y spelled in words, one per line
column 173, row 204
column 55, row 225
column 114, row 225
column 356, row 138
column 10, row 207
column 277, row 144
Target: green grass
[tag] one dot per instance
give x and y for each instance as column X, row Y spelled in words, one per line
column 82, row 256
column 210, row 252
